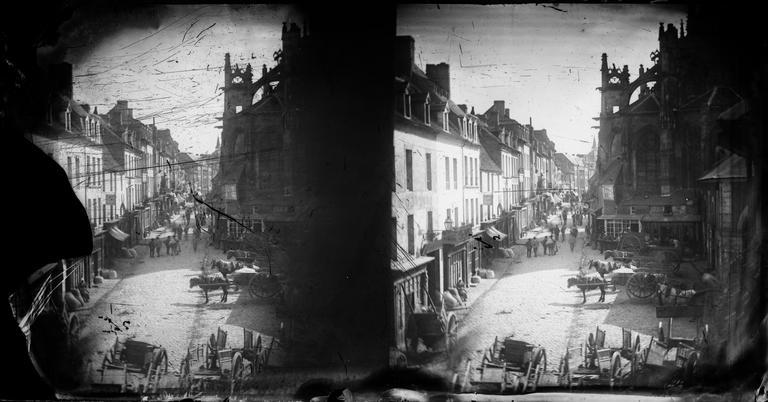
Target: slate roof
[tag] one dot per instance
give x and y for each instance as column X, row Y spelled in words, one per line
column 490, row 152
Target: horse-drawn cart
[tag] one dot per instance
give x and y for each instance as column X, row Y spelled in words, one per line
column 128, row 361
column 438, row 330
column 214, row 367
column 594, row 363
column 508, row 366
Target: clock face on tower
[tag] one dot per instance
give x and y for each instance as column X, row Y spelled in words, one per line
column 237, row 80
column 613, row 80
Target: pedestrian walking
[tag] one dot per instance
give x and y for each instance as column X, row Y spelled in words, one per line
column 168, row 245
column 572, row 240
column 151, row 248
column 535, row 247
column 556, row 232
column 553, row 248
column 529, row 247
column 194, row 244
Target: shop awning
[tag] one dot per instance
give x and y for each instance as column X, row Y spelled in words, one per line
column 672, row 218
column 117, row 233
column 493, row 232
column 732, row 167
column 621, row 217
column 411, row 263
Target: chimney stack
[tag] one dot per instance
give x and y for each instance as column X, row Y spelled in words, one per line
column 498, row 107
column 404, row 51
column 506, row 113
column 440, row 74
column 463, row 108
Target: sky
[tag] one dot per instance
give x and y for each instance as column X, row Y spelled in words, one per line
column 167, row 61
column 542, row 60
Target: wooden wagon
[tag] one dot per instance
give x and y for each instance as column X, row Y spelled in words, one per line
column 438, row 330
column 595, row 363
column 508, row 366
column 128, row 357
column 214, row 367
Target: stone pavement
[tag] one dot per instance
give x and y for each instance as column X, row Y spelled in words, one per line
column 531, row 302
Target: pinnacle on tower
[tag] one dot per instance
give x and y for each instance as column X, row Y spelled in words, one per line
column 604, row 65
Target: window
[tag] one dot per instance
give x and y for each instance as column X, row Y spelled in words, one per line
column 466, row 209
column 411, row 240
column 429, row 226
column 456, row 216
column 88, row 170
column 427, row 117
column 477, row 171
column 409, row 169
column 466, row 172
column 407, row 105
column 68, row 120
column 77, row 167
column 69, row 166
column 429, row 172
column 445, row 120
column 455, row 174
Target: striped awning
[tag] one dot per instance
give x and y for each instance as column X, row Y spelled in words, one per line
column 117, row 233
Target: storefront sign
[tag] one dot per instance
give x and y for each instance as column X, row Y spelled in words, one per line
column 607, row 192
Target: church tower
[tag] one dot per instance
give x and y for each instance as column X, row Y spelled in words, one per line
column 238, row 91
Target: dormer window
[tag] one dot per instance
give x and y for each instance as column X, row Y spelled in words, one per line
column 68, row 120
column 427, row 117
column 407, row 105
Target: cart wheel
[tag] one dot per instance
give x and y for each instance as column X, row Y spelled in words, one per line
column 263, row 287
column 185, row 382
column 451, row 333
column 615, row 369
column 236, row 375
column 641, row 286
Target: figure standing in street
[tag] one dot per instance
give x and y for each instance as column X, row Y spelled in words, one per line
column 572, row 240
column 168, row 245
column 151, row 248
column 556, row 232
column 529, row 247
column 565, row 216
column 535, row 247
column 195, row 239
column 553, row 246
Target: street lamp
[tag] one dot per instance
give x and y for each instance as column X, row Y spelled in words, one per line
column 448, row 223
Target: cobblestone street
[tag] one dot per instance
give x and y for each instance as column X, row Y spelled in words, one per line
column 154, row 301
column 531, row 302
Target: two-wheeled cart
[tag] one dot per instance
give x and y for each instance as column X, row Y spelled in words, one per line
column 132, row 366
column 214, row 367
column 508, row 366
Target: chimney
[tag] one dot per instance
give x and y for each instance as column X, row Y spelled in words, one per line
column 463, row 108
column 86, row 107
column 404, row 50
column 506, row 113
column 498, row 107
column 440, row 74
column 96, row 110
column 60, row 75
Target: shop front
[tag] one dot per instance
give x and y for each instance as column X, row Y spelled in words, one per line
column 610, row 228
column 457, row 248
column 410, row 289
column 666, row 230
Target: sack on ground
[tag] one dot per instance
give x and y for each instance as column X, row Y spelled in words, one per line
column 72, row 302
column 450, row 301
column 109, row 274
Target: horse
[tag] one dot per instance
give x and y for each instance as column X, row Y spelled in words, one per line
column 226, row 268
column 214, row 280
column 602, row 267
column 588, row 282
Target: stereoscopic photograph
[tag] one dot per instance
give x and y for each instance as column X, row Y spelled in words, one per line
column 414, row 202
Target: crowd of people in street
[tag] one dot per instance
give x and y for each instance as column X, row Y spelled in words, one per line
column 181, row 233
